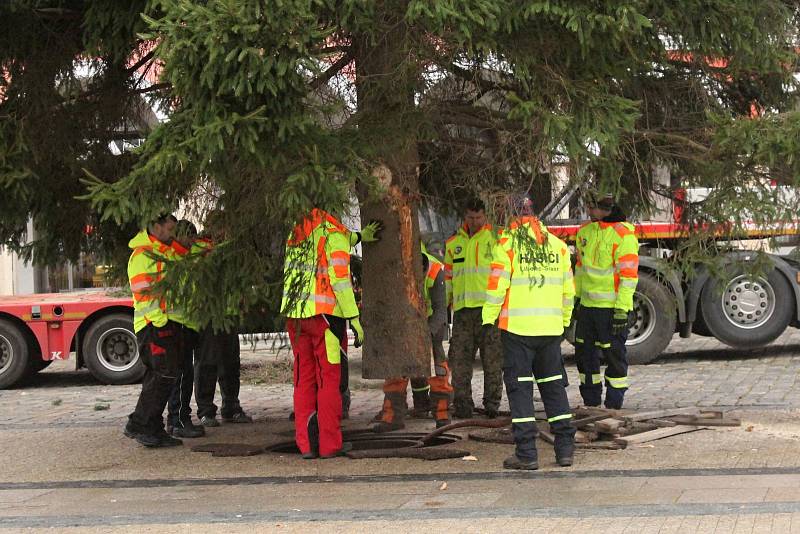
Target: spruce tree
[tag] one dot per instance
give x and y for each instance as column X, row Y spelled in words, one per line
column 277, row 107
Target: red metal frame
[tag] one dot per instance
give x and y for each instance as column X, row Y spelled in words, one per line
column 53, row 330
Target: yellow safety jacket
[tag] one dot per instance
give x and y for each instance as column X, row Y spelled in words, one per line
column 434, row 267
column 467, row 264
column 317, row 269
column 531, row 287
column 607, row 267
column 145, row 268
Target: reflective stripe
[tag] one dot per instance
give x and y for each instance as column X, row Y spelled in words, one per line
column 627, row 282
column 559, row 417
column 617, row 383
column 469, row 295
column 140, row 313
column 525, row 379
column 340, row 286
column 537, row 282
column 598, row 272
column 627, row 265
column 471, row 270
column 600, row 296
column 524, row 420
column 314, row 298
column 523, row 312
column 549, row 379
column 140, row 286
column 567, row 302
column 597, row 379
column 582, row 378
column 340, row 261
column 579, row 340
column 568, row 276
column 426, row 388
column 491, row 299
column 497, row 272
column 602, row 345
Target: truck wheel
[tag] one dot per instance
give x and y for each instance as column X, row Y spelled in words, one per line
column 745, row 311
column 654, row 320
column 110, row 351
column 13, row 355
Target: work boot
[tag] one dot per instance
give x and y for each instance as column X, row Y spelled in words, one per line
column 346, row 447
column 422, row 404
column 238, row 417
column 379, row 427
column 310, row 455
column 130, row 431
column 442, row 422
column 186, row 429
column 514, row 462
column 565, row 450
column 462, row 412
column 160, row 439
column 209, row 421
column 490, row 413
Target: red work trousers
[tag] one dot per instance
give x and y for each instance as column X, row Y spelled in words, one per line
column 317, row 373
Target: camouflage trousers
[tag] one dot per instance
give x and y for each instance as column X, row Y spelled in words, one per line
column 466, row 341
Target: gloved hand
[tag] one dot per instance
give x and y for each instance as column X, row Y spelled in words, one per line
column 569, row 332
column 575, row 308
column 355, row 326
column 369, row 234
column 484, row 332
column 619, row 323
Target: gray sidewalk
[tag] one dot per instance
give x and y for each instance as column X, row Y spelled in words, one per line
column 66, row 463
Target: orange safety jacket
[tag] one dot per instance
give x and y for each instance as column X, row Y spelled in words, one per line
column 317, row 269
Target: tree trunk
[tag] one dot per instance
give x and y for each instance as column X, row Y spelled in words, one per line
column 397, row 340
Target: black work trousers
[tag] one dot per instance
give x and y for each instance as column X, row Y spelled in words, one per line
column 179, row 409
column 529, row 359
column 161, row 352
column 593, row 338
column 218, row 359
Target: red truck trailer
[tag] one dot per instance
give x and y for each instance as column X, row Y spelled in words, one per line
column 96, row 325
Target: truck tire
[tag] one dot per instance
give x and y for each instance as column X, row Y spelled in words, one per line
column 655, row 317
column 110, row 351
column 745, row 312
column 14, row 360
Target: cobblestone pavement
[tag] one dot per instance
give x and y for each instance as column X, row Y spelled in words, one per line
column 693, row 372
column 66, row 463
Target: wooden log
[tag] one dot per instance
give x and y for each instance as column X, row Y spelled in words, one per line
column 702, row 421
column 583, row 421
column 659, row 414
column 653, row 435
column 660, row 423
column 609, row 425
column 596, row 445
column 585, row 437
column 588, row 411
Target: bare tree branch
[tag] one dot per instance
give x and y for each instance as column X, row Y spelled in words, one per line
column 331, row 71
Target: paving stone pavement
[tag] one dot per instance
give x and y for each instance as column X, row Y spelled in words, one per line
column 693, row 372
column 744, row 479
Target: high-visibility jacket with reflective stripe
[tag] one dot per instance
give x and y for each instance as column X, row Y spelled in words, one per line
column 467, row 262
column 146, row 266
column 607, row 267
column 531, row 288
column 434, row 267
column 317, row 270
